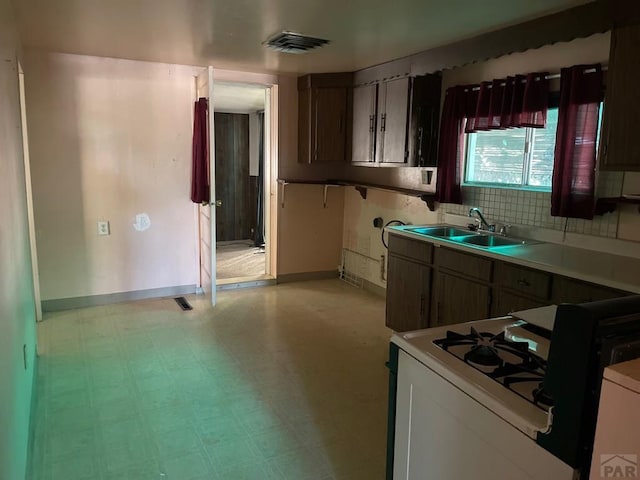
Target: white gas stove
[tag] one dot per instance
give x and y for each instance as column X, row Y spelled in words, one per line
column 499, row 362
column 470, row 401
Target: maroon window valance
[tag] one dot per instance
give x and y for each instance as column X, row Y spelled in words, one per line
column 512, row 102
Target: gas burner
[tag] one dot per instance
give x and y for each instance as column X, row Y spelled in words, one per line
column 485, row 348
column 484, row 355
column 507, row 362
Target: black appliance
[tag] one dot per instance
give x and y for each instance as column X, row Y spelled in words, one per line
column 586, row 338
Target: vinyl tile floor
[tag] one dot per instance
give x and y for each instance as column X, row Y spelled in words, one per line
column 283, row 382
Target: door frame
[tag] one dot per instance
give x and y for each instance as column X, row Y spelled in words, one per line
column 27, row 176
column 270, row 158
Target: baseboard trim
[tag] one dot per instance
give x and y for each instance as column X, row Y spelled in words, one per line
column 373, row 288
column 109, row 298
column 307, row 276
column 245, row 284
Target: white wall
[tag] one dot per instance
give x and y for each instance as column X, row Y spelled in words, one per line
column 110, row 139
column 17, row 307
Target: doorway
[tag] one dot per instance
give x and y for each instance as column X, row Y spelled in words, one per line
column 239, row 253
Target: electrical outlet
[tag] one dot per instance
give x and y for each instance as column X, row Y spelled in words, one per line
column 427, row 177
column 103, row 228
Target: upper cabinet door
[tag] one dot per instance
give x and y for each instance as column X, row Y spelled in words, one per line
column 330, row 124
column 621, row 149
column 324, row 117
column 393, row 117
column 364, row 123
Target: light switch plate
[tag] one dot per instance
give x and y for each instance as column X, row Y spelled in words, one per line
column 103, row 228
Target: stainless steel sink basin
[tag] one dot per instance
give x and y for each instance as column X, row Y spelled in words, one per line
column 442, row 232
column 489, row 241
column 464, row 236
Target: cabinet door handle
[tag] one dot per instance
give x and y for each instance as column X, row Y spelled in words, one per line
column 371, row 124
column 523, row 283
column 421, row 305
column 383, row 122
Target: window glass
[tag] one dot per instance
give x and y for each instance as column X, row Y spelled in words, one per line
column 543, row 144
column 512, row 157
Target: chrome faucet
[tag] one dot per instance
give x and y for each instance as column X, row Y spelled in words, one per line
column 482, row 220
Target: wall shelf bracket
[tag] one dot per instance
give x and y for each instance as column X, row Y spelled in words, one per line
column 362, row 191
column 326, row 189
column 430, row 201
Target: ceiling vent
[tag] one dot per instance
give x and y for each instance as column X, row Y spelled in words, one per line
column 289, row 42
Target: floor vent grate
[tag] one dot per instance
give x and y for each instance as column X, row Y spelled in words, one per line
column 183, row 304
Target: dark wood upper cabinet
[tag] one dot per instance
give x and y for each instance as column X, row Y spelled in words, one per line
column 395, row 122
column 393, row 113
column 424, row 120
column 324, row 117
column 620, row 149
column 365, row 105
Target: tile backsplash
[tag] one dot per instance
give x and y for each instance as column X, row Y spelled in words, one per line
column 531, row 208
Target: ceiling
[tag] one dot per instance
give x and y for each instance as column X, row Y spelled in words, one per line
column 229, row 33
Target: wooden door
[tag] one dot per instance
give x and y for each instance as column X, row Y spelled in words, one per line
column 233, row 186
column 408, row 292
column 460, row 300
column 393, row 114
column 364, row 123
column 621, row 150
column 330, row 124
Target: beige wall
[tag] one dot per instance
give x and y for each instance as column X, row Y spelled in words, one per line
column 551, row 58
column 309, row 235
column 17, row 306
column 110, row 139
column 361, row 236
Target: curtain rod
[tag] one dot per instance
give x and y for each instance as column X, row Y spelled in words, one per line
column 551, row 76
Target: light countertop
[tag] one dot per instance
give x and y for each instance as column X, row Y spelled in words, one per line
column 614, row 271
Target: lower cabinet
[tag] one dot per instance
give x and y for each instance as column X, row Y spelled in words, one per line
column 459, row 300
column 431, row 286
column 408, row 294
column 505, row 302
column 569, row 290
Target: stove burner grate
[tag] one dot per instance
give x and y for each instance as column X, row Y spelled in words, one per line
column 486, row 353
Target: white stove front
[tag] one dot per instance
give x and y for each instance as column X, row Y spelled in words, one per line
column 506, row 404
column 442, row 433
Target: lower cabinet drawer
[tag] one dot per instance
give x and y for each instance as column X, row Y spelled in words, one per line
column 413, row 249
column 534, row 283
column 468, row 264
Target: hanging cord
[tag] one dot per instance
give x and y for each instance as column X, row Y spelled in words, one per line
column 399, row 222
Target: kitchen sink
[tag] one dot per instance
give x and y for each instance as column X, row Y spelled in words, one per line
column 443, row 232
column 489, row 241
column 464, row 236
